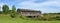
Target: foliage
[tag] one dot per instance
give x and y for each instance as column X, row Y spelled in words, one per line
column 57, row 17
column 0, row 12
column 13, row 11
column 7, row 19
column 52, row 16
column 46, row 16
column 5, row 9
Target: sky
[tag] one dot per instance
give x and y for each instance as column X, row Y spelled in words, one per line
column 45, row 6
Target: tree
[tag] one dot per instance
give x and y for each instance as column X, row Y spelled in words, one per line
column 13, row 9
column 0, row 8
column 13, row 12
column 5, row 9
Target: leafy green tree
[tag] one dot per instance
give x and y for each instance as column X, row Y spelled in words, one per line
column 0, row 12
column 13, row 12
column 0, row 8
column 5, row 9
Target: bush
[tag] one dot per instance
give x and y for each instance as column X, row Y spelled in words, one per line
column 57, row 17
column 1, row 12
column 46, row 18
column 12, row 16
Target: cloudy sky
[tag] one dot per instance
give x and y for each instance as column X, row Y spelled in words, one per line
column 46, row 6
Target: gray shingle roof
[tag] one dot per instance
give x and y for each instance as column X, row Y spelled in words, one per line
column 28, row 10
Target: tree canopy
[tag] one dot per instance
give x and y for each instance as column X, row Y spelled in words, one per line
column 5, row 9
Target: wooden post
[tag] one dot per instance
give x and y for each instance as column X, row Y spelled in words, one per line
column 36, row 17
column 32, row 17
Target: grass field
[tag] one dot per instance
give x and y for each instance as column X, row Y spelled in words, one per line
column 8, row 19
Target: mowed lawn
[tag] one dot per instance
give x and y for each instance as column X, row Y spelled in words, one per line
column 8, row 19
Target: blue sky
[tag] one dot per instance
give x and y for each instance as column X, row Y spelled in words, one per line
column 46, row 6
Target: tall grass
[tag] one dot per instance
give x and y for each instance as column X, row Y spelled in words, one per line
column 8, row 19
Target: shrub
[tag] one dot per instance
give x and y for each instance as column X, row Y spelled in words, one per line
column 1, row 12
column 57, row 17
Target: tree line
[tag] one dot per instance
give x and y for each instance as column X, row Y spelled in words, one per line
column 13, row 13
column 5, row 10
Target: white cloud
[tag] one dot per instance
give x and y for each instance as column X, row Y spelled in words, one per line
column 1, row 4
column 44, row 6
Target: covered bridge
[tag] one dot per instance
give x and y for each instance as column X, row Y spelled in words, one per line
column 29, row 13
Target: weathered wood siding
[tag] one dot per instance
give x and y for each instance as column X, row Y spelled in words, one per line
column 30, row 13
column 27, row 12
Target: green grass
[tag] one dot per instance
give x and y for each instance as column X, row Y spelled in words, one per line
column 8, row 19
